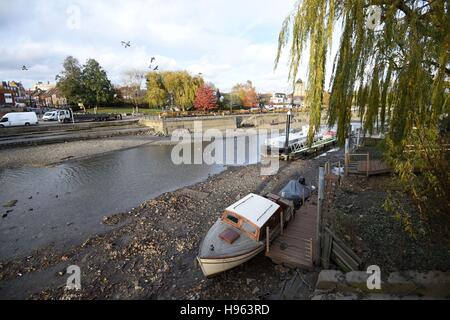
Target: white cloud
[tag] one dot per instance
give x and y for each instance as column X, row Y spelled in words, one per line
column 228, row 41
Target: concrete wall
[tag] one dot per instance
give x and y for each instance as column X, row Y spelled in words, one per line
column 153, row 122
column 434, row 284
column 169, row 125
column 265, row 121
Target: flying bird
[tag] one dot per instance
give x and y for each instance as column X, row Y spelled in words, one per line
column 24, row 68
column 156, row 68
column 153, row 59
column 126, row 44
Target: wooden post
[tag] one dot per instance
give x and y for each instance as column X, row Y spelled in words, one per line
column 288, row 129
column 326, row 252
column 320, row 198
column 368, row 164
column 358, row 137
column 339, row 169
column 282, row 222
column 267, row 240
column 347, row 157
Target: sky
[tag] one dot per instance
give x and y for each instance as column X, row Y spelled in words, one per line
column 228, row 41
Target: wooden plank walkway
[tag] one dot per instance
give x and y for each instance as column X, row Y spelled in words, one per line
column 376, row 167
column 295, row 248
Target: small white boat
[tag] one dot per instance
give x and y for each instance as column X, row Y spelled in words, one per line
column 240, row 233
column 297, row 140
column 295, row 136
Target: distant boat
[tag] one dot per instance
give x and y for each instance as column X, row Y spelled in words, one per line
column 240, row 233
column 297, row 140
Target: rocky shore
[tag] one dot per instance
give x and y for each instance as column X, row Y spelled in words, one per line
column 149, row 253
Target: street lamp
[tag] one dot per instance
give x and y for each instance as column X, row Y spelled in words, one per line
column 288, row 129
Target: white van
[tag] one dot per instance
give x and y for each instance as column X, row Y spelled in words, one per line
column 58, row 115
column 50, row 116
column 18, row 119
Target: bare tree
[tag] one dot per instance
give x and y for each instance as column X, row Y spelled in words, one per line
column 132, row 89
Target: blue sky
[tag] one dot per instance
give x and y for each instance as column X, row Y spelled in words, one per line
column 228, row 41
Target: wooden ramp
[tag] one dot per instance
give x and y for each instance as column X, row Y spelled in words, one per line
column 295, row 247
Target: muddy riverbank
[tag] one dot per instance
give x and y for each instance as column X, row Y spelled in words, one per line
column 52, row 154
column 149, row 252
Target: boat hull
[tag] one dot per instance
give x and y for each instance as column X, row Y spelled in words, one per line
column 213, row 266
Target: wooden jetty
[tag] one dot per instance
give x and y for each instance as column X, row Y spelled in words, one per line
column 296, row 246
column 298, row 149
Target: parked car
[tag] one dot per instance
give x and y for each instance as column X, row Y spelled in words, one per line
column 19, row 119
column 50, row 116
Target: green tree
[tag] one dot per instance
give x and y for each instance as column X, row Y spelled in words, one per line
column 69, row 81
column 97, row 87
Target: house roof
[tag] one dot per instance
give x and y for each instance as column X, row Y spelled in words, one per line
column 255, row 209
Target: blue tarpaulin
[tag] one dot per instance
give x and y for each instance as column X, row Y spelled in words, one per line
column 295, row 191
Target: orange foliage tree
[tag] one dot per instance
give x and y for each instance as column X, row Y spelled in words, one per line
column 246, row 93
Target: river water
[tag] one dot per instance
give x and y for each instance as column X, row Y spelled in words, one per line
column 65, row 204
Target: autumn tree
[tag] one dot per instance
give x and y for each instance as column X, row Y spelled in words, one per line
column 205, row 98
column 245, row 93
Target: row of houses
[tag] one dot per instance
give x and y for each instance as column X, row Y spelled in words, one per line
column 41, row 95
column 11, row 92
column 51, row 98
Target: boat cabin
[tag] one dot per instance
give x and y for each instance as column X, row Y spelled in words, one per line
column 252, row 215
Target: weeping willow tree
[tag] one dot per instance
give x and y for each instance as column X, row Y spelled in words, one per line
column 173, row 88
column 398, row 68
column 394, row 68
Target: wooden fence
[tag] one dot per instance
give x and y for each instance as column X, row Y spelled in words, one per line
column 330, row 247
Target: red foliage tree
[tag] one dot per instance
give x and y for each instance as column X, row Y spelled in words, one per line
column 205, row 98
